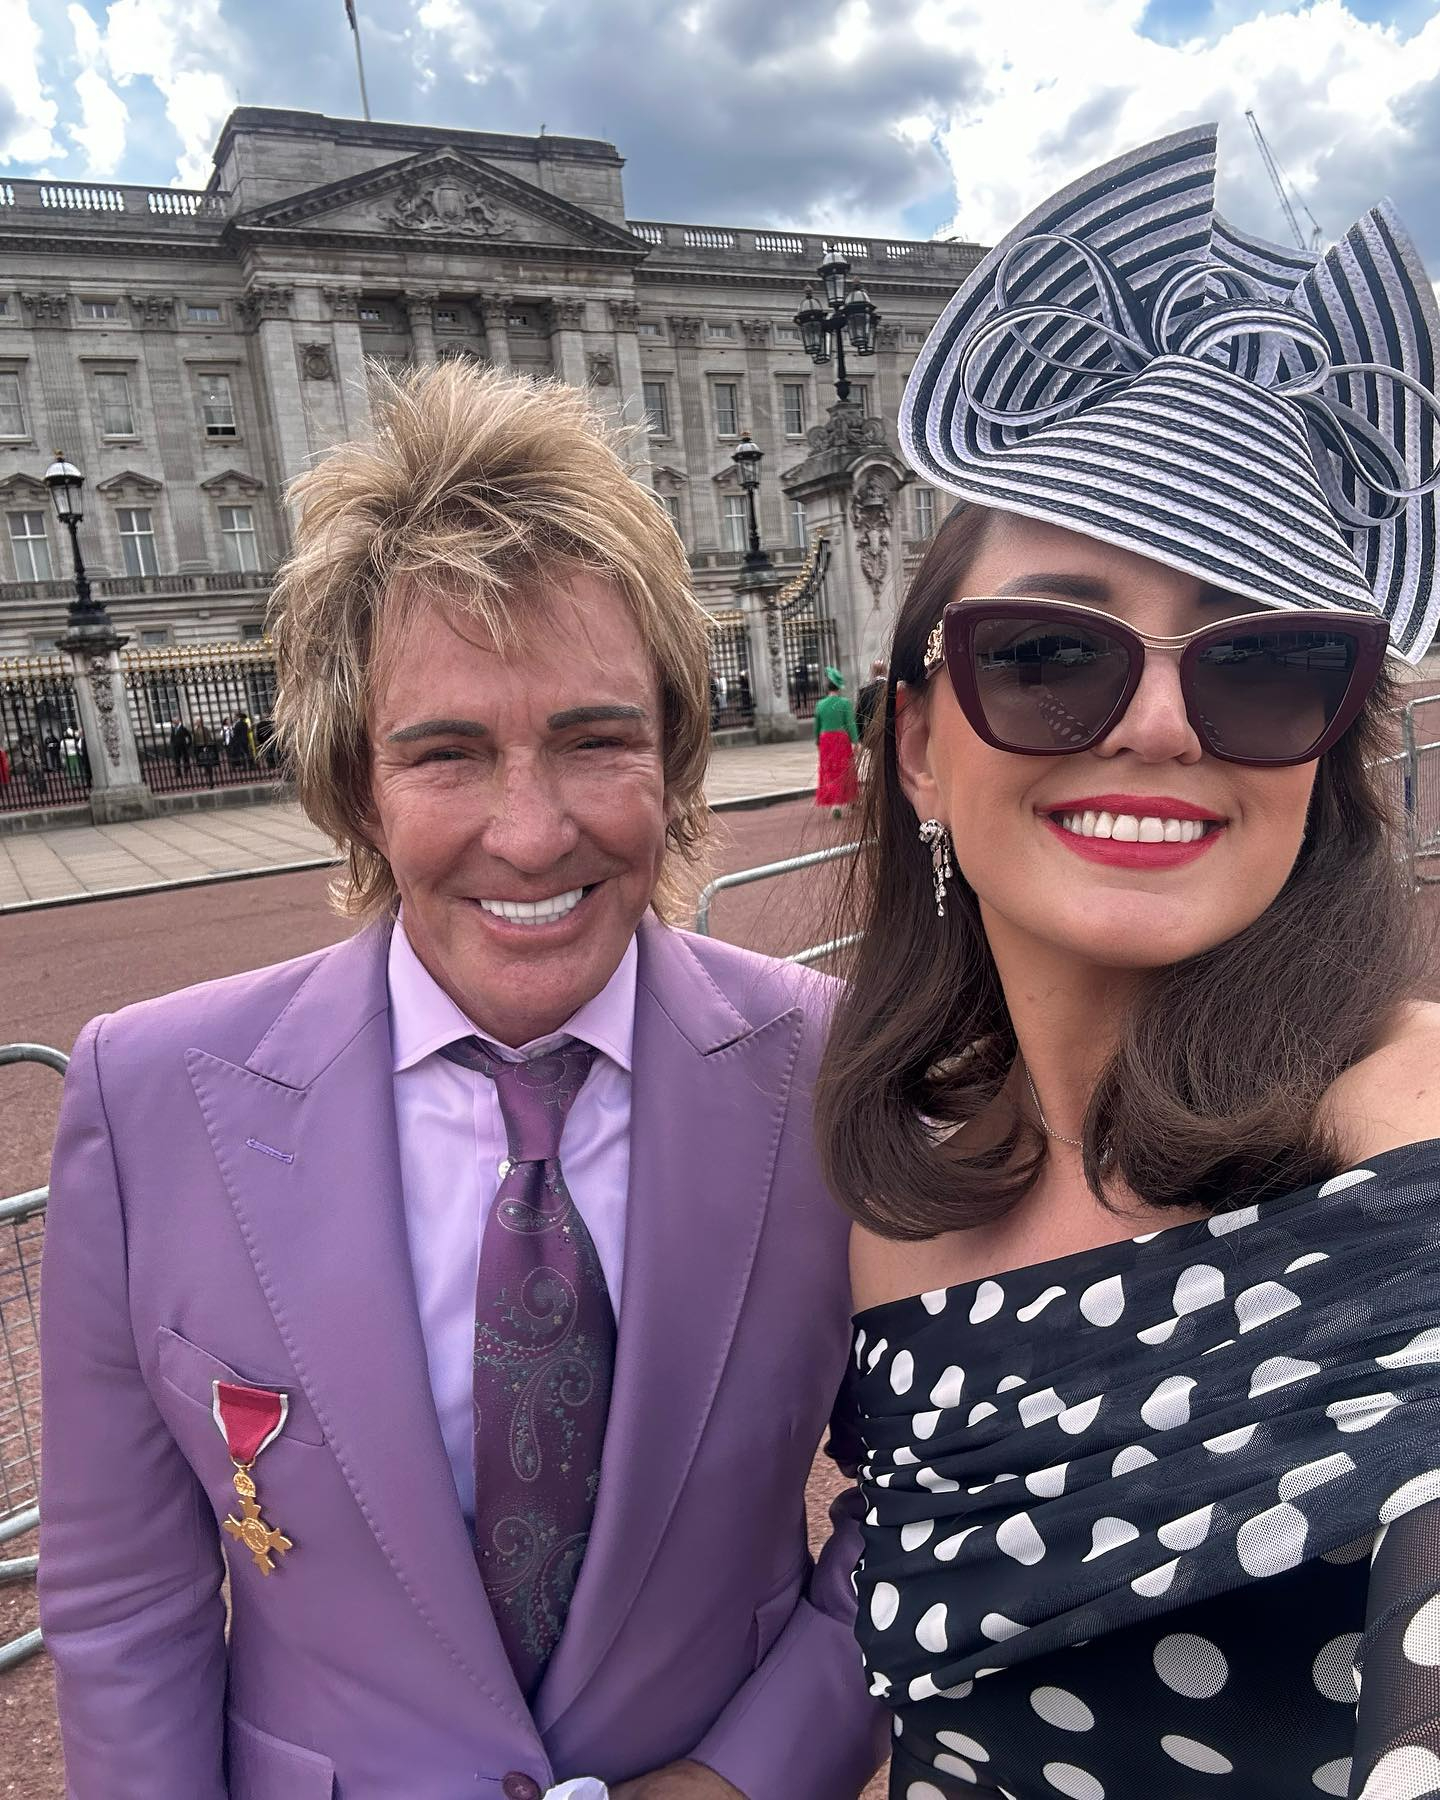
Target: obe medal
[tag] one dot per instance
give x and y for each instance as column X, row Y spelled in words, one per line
column 250, row 1419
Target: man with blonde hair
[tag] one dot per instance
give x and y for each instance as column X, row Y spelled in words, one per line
column 470, row 1284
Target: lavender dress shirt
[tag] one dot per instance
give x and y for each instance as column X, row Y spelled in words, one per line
column 452, row 1140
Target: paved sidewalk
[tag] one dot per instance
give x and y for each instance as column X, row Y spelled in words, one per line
column 76, row 860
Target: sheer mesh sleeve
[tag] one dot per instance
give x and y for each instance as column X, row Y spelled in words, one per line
column 1397, row 1732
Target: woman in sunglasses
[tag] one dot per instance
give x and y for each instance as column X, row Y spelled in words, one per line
column 1127, row 1094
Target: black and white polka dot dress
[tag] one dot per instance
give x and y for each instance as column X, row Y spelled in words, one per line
column 1145, row 1522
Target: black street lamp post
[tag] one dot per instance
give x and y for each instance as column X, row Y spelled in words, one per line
column 849, row 312
column 747, row 460
column 65, row 482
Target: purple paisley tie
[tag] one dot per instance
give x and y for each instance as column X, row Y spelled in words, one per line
column 544, row 1355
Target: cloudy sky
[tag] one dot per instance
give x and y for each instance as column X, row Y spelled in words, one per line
column 909, row 117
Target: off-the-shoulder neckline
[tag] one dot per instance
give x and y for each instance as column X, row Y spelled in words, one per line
column 1054, row 1264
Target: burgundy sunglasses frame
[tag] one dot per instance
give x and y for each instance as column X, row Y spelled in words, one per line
column 953, row 641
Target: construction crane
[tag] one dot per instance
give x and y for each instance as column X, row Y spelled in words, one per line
column 1272, row 169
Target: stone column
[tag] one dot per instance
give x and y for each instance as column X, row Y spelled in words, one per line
column 344, row 306
column 630, row 381
column 567, row 331
column 770, row 502
column 420, row 309
column 66, row 420
column 267, row 311
column 775, row 723
column 117, row 792
column 699, row 452
column 497, row 330
column 175, row 428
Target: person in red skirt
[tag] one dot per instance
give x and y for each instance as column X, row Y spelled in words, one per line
column 837, row 735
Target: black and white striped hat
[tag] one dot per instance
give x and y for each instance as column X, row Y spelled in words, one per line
column 1128, row 365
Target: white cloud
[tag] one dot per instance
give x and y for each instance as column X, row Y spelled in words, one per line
column 1069, row 85
column 101, row 133
column 27, row 113
column 181, row 46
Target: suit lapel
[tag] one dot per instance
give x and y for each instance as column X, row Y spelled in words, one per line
column 709, row 1098
column 305, row 1139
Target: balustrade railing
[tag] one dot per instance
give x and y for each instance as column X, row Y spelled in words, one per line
column 156, row 204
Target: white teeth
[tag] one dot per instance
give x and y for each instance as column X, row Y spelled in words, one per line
column 1128, row 828
column 535, row 912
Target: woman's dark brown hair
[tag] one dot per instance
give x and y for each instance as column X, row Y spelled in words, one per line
column 1212, row 1095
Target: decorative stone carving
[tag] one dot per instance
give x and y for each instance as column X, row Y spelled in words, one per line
column 344, row 303
column 601, row 365
column 566, row 314
column 449, row 207
column 624, row 314
column 666, row 480
column 870, row 515
column 153, row 312
column 129, row 484
column 685, row 330
column 420, row 304
column 315, row 362
column 775, row 653
column 846, row 428
column 47, row 309
column 264, row 302
column 756, row 333
column 102, row 689
column 231, row 484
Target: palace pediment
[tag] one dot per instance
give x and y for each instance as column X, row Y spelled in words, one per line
column 443, row 197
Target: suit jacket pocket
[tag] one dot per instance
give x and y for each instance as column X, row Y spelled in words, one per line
column 773, row 1615
column 189, row 1370
column 261, row 1767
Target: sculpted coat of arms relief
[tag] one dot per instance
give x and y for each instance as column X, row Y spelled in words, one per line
column 447, row 208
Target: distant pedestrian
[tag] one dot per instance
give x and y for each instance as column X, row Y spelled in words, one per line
column 837, row 735
column 871, row 697
column 181, row 740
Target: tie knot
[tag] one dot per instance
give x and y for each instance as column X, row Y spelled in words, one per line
column 535, row 1096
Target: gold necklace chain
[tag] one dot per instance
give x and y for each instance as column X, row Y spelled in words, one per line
column 1045, row 1125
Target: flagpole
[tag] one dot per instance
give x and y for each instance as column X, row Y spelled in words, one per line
column 359, row 60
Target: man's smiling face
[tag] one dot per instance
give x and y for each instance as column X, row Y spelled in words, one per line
column 519, row 799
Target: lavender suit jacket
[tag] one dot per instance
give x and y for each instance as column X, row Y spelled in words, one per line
column 226, row 1202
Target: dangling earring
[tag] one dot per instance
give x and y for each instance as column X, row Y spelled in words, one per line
column 937, row 836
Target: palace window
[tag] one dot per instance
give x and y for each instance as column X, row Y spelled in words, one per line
column 217, row 405
column 657, row 409
column 718, row 333
column 924, row 512
column 786, row 334
column 99, row 309
column 648, row 328
column 371, row 315
column 735, row 522
column 799, row 524
column 202, row 314
column 237, row 532
column 137, row 541
column 671, row 503
column 112, row 403
column 12, row 408
column 792, row 405
column 30, row 546
column 727, row 408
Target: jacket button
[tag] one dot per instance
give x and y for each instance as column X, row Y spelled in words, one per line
column 520, row 1787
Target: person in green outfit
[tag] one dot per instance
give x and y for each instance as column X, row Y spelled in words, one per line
column 837, row 735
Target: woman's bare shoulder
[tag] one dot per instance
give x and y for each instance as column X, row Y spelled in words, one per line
column 884, row 1269
column 1391, row 1097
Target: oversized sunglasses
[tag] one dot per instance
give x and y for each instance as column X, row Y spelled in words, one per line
column 1050, row 678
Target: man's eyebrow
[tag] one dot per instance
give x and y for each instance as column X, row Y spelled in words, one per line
column 427, row 728
column 598, row 715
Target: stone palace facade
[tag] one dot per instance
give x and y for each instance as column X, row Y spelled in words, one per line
column 193, row 352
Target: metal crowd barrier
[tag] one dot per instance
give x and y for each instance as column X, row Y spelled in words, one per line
column 767, row 872
column 22, row 1236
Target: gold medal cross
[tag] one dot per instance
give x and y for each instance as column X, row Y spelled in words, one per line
column 261, row 1540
